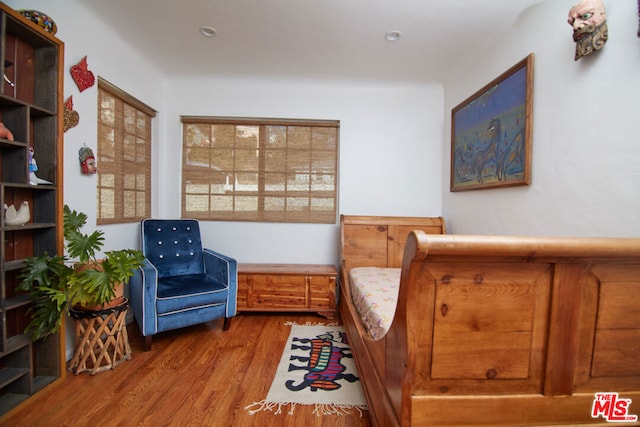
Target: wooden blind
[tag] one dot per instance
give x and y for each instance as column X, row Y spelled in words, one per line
column 265, row 170
column 124, row 156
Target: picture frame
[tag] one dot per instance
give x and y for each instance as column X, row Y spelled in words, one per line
column 491, row 132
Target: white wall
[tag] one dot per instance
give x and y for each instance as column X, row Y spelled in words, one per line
column 390, row 155
column 586, row 152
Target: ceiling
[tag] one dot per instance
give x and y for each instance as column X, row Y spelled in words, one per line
column 336, row 39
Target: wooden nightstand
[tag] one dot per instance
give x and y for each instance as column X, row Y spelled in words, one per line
column 287, row 287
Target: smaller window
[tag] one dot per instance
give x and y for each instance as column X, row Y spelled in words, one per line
column 124, row 156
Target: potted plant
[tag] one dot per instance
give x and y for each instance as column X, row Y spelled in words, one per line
column 77, row 280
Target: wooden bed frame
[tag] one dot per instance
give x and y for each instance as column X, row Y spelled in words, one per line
column 495, row 330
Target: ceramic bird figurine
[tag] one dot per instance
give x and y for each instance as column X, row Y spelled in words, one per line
column 17, row 217
column 9, row 212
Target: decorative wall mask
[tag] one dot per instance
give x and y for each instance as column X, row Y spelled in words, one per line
column 589, row 21
column 71, row 117
column 87, row 161
column 81, row 75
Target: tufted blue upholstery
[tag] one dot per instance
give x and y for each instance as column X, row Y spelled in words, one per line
column 181, row 283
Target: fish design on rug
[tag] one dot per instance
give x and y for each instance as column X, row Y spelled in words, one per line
column 323, row 364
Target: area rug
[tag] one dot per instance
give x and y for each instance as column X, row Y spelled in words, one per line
column 316, row 368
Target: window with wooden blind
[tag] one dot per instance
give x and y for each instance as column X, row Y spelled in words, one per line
column 124, row 156
column 265, row 170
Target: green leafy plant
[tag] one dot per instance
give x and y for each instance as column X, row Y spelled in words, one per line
column 59, row 283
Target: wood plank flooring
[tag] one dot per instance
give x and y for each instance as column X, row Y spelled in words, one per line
column 196, row 376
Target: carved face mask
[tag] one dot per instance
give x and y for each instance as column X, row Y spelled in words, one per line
column 589, row 21
column 87, row 161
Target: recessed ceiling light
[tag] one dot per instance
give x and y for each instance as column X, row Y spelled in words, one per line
column 392, row 36
column 208, row 31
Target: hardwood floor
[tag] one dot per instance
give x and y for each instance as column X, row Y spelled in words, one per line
column 196, row 376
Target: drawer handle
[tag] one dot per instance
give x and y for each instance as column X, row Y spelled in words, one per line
column 492, row 373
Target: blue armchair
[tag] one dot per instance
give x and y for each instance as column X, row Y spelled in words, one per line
column 181, row 283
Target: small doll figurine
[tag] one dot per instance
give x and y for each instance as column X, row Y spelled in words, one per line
column 33, row 167
column 87, row 161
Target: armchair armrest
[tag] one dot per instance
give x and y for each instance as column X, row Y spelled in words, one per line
column 225, row 270
column 143, row 289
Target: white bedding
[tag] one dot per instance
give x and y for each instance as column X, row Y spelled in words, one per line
column 375, row 292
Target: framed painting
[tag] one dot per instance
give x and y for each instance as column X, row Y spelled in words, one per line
column 491, row 133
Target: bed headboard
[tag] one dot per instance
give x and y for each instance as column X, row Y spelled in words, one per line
column 378, row 241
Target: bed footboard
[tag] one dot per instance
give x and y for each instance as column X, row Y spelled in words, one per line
column 514, row 330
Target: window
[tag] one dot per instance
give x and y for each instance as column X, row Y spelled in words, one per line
column 265, row 170
column 124, row 156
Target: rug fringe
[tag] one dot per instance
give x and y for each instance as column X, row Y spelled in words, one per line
column 337, row 409
column 265, row 405
column 290, row 323
column 320, row 408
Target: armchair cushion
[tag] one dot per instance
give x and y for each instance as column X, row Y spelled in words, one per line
column 190, row 290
